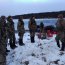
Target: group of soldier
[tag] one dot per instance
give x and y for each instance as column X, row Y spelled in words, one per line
column 60, row 29
column 7, row 31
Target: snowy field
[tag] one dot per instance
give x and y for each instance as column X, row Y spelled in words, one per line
column 42, row 52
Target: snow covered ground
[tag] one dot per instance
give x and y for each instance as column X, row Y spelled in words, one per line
column 42, row 52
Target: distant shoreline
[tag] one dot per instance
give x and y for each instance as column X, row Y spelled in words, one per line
column 41, row 15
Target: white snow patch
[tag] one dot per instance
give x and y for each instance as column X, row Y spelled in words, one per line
column 42, row 52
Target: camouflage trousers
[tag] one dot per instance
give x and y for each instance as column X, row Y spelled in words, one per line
column 32, row 33
column 2, row 54
column 2, row 59
column 60, row 36
column 21, row 34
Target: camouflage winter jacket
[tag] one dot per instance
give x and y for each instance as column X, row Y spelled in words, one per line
column 20, row 27
column 60, row 25
column 10, row 27
column 32, row 25
column 3, row 29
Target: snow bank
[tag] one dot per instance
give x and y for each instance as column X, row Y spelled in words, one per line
column 42, row 52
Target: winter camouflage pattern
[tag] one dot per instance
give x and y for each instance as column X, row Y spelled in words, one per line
column 42, row 31
column 20, row 28
column 32, row 27
column 2, row 40
column 60, row 27
column 11, row 31
column 10, row 28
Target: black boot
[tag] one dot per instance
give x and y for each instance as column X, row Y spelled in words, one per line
column 14, row 42
column 63, row 46
column 12, row 46
column 7, row 50
column 32, row 40
column 58, row 44
column 21, row 42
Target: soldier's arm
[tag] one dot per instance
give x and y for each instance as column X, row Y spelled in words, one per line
column 18, row 26
column 64, row 24
column 7, row 26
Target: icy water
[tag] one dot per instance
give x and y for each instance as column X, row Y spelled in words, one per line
column 45, row 21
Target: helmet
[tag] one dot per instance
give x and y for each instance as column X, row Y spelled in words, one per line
column 3, row 17
column 9, row 18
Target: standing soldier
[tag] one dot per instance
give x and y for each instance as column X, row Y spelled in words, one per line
column 7, row 39
column 42, row 31
column 21, row 30
column 4, row 29
column 60, row 26
column 32, row 27
column 2, row 41
column 11, row 32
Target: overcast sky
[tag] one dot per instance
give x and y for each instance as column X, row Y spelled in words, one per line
column 18, row 7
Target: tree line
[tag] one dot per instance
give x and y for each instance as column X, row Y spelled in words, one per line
column 40, row 15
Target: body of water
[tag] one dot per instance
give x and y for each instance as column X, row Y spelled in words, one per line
column 46, row 22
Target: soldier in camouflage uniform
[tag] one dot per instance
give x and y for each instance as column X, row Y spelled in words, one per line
column 60, row 26
column 21, row 30
column 2, row 40
column 42, row 31
column 11, row 32
column 32, row 27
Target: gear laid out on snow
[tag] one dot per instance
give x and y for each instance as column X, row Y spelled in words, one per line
column 49, row 34
column 41, row 35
